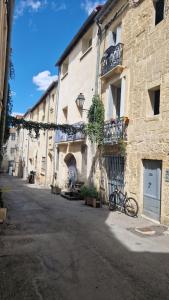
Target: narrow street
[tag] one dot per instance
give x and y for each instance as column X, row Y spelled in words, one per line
column 54, row 249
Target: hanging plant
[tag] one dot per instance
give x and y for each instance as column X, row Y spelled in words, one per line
column 8, row 112
column 35, row 127
column 95, row 126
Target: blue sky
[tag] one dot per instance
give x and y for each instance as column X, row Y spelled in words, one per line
column 41, row 31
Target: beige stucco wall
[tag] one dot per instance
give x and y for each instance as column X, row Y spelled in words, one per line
column 145, row 58
column 80, row 78
column 31, row 149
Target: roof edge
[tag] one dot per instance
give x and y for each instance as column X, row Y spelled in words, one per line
column 86, row 25
column 51, row 86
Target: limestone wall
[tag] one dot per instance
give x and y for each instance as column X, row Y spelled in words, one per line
column 146, row 62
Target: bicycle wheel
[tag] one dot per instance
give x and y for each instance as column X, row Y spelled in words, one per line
column 112, row 201
column 131, row 207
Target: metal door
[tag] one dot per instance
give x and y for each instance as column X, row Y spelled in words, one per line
column 152, row 189
column 114, row 166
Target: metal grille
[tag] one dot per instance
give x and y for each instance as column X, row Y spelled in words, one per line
column 114, row 166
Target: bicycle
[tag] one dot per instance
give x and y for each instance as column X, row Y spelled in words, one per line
column 119, row 199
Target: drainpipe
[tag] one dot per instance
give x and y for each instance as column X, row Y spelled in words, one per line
column 57, row 105
column 47, row 140
column 98, row 57
column 10, row 8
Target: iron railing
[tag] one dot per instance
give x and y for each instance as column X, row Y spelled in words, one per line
column 112, row 57
column 65, row 137
column 115, row 130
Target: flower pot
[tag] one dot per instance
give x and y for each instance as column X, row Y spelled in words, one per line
column 92, row 202
column 55, row 190
column 2, row 215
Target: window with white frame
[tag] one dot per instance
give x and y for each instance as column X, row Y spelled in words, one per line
column 114, row 105
column 115, row 36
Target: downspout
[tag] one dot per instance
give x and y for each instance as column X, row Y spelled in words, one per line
column 47, row 141
column 57, row 105
column 99, row 36
column 10, row 8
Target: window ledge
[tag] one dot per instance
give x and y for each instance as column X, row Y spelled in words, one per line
column 153, row 118
column 63, row 77
column 85, row 53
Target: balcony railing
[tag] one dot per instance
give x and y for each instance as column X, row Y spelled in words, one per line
column 115, row 130
column 112, row 57
column 62, row 137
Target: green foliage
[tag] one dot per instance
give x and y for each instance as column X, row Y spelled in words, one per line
column 95, row 126
column 90, row 192
column 8, row 113
column 122, row 147
column 37, row 126
column 11, row 67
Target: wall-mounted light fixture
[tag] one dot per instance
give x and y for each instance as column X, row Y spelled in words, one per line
column 80, row 102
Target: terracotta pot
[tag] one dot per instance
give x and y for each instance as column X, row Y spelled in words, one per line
column 92, row 202
column 2, row 214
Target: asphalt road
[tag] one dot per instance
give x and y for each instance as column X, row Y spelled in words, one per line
column 54, row 249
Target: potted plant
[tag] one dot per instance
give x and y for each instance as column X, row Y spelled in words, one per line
column 90, row 195
column 55, row 189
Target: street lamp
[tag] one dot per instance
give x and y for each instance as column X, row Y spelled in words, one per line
column 80, row 102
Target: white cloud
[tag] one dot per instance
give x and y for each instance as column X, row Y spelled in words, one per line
column 90, row 5
column 14, row 114
column 13, row 93
column 58, row 7
column 30, row 5
column 43, row 79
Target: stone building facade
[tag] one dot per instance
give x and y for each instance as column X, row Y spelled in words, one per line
column 6, row 15
column 10, row 152
column 134, row 86
column 77, row 79
column 38, row 154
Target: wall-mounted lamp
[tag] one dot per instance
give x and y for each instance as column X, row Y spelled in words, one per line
column 80, row 101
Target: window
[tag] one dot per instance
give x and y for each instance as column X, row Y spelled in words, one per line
column 43, row 110
column 114, row 101
column 159, row 10
column 115, row 36
column 154, row 101
column 65, row 112
column 53, row 98
column 12, row 151
column 43, row 165
column 87, row 41
column 13, row 135
column 65, row 66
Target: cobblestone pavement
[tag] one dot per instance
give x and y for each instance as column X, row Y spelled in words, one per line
column 54, row 249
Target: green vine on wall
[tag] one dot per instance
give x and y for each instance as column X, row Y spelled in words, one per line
column 8, row 113
column 95, row 126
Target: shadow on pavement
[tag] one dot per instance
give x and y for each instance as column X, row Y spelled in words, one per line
column 55, row 249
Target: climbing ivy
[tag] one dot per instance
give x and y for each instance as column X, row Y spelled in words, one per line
column 95, row 126
column 8, row 113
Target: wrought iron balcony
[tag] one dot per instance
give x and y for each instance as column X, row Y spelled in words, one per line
column 62, row 137
column 112, row 57
column 115, row 131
